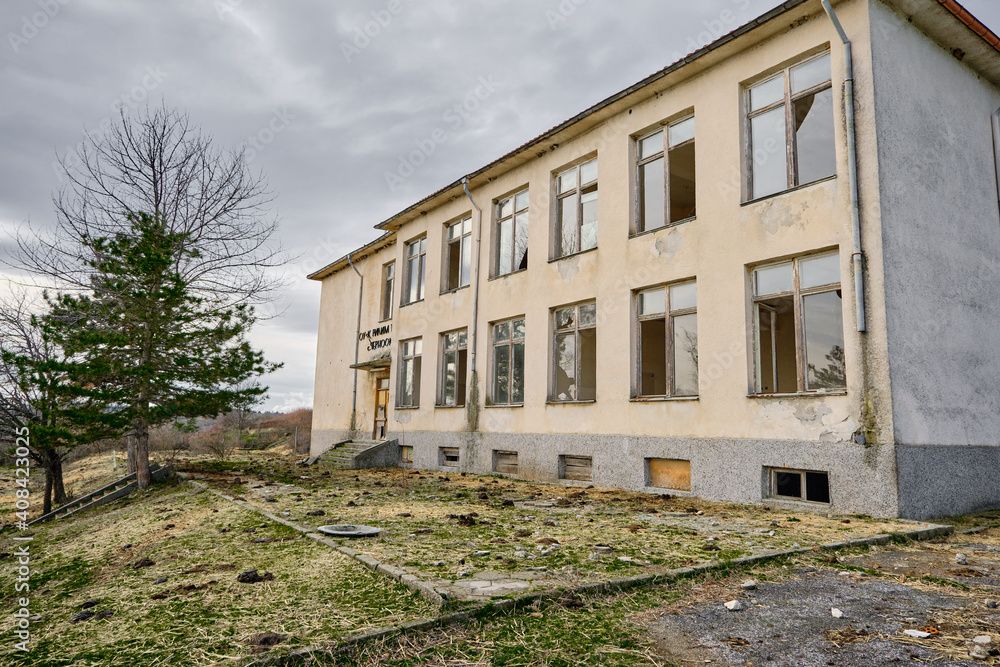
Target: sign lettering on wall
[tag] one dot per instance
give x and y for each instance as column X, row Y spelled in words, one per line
column 378, row 338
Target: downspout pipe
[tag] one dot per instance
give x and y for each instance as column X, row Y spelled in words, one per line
column 475, row 287
column 857, row 257
column 357, row 338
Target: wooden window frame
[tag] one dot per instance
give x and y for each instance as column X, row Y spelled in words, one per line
column 513, row 218
column 639, row 226
column 576, row 195
column 669, row 314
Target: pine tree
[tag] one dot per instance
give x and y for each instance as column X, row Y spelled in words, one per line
column 142, row 347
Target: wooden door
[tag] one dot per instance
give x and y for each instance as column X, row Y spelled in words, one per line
column 381, row 406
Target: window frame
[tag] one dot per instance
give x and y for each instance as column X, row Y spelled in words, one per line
column 788, row 101
column 515, row 215
column 509, row 343
column 575, row 194
column 772, row 486
column 388, row 287
column 669, row 314
column 406, row 356
column 464, row 243
column 638, row 226
column 443, row 352
column 421, row 258
column 554, row 352
column 798, row 294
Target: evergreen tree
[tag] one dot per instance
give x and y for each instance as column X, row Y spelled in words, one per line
column 142, row 346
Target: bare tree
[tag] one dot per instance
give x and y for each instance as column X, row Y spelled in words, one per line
column 158, row 164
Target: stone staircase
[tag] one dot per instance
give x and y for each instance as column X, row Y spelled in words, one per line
column 117, row 489
column 353, row 454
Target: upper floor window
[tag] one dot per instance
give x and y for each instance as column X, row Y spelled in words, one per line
column 458, row 254
column 575, row 353
column 665, row 182
column 408, row 395
column 388, row 277
column 799, row 326
column 790, row 126
column 668, row 340
column 508, row 362
column 512, row 233
column 454, row 356
column 576, row 209
column 416, row 254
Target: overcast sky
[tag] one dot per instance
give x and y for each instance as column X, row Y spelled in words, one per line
column 330, row 97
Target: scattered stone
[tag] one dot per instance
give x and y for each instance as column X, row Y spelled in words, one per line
column 405, row 515
column 498, row 540
column 82, row 616
column 547, row 540
column 88, row 604
column 144, row 562
column 480, row 554
column 537, row 569
column 168, row 526
column 594, row 556
column 603, row 548
column 270, row 499
column 266, row 639
column 843, row 573
column 351, row 503
column 836, row 613
column 261, row 540
column 750, row 585
column 625, row 559
column 506, row 502
column 991, row 604
column 979, row 653
column 127, row 546
column 527, row 532
column 710, row 547
column 161, row 580
column 316, row 513
column 438, row 563
column 917, row 634
column 961, row 559
column 982, row 640
column 734, row 605
column 251, row 577
column 423, row 531
column 104, row 613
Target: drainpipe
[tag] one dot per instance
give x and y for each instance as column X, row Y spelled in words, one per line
column 857, row 258
column 475, row 300
column 357, row 337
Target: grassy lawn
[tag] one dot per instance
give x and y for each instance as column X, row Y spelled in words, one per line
column 201, row 614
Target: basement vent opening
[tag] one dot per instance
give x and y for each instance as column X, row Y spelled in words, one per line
column 406, row 455
column 448, row 457
column 579, row 468
column 673, row 474
column 505, row 462
column 808, row 485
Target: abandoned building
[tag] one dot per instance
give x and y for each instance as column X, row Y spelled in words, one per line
column 769, row 272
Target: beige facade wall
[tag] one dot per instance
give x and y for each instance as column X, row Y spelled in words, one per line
column 715, row 249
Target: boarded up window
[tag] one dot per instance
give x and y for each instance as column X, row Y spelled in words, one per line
column 576, row 467
column 406, row 454
column 670, row 474
column 505, row 462
column 448, row 457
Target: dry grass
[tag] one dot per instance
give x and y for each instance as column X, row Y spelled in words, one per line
column 201, row 615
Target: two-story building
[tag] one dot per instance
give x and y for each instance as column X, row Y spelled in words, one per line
column 768, row 272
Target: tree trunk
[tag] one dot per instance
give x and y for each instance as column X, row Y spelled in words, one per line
column 58, row 488
column 130, row 445
column 142, row 474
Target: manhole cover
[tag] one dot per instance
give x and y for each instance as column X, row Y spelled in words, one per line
column 350, row 531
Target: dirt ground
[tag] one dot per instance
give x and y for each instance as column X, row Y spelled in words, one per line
column 788, row 621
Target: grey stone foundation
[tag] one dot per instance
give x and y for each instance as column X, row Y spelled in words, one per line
column 937, row 481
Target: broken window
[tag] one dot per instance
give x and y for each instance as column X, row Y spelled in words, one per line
column 575, row 353
column 416, row 253
column 406, row 455
column 799, row 327
column 512, row 233
column 458, row 254
column 790, row 128
column 448, row 457
column 409, row 373
column 667, row 363
column 388, row 276
column 576, row 209
column 811, row 486
column 508, row 362
column 454, row 357
column 665, row 182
